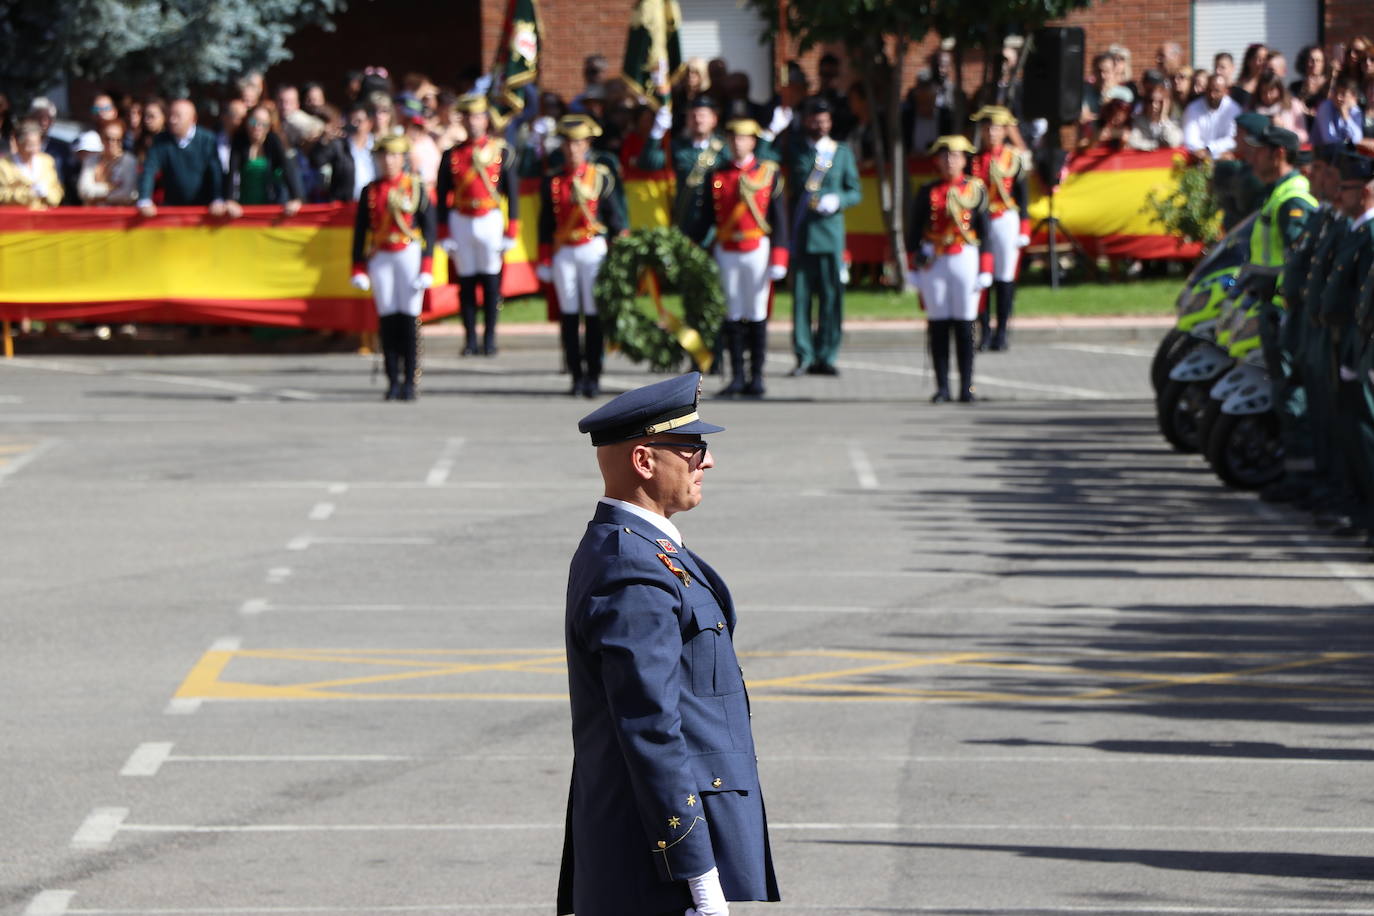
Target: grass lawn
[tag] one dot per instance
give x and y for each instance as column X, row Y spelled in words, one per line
column 1128, row 297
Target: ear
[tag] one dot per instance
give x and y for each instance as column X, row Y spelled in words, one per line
column 642, row 460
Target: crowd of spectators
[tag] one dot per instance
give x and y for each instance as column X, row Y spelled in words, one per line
column 303, row 144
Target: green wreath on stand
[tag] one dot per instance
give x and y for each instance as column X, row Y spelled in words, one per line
column 637, row 264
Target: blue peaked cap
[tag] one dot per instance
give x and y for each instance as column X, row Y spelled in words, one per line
column 669, row 406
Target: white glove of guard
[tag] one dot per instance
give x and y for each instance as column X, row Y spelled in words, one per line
column 450, row 247
column 361, row 282
column 844, row 274
column 544, row 272
column 777, row 272
column 1022, row 241
column 708, row 896
column 663, row 122
column 507, row 243
column 424, row 281
column 828, row 204
column 984, row 280
column 782, row 118
column 1349, row 375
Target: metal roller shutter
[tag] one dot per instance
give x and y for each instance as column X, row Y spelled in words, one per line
column 722, row 28
column 1232, row 25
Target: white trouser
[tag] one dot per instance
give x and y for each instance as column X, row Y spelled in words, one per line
column 393, row 276
column 1005, row 230
column 477, row 242
column 744, row 275
column 574, row 271
column 949, row 286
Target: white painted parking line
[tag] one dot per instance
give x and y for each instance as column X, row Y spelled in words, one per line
column 99, row 828
column 305, row 541
column 863, row 468
column 253, row 606
column 51, row 365
column 182, row 706
column 1090, row 394
column 284, row 910
column 278, row 574
column 147, row 759
column 9, row 468
column 50, row 903
column 338, row 488
column 321, row 512
column 438, row 475
column 1105, row 350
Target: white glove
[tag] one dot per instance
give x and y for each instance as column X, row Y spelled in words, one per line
column 828, row 204
column 984, row 280
column 541, row 126
column 777, row 272
column 782, row 119
column 1022, row 241
column 1349, row 375
column 361, row 282
column 450, row 247
column 507, row 243
column 844, row 274
column 913, row 278
column 663, row 122
column 424, row 281
column 544, row 272
column 707, row 896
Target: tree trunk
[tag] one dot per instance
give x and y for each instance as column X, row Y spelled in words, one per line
column 887, row 147
column 897, row 167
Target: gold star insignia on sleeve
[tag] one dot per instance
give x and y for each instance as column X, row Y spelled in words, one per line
column 674, row 823
column 691, row 800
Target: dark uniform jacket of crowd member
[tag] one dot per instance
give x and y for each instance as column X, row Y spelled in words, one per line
column 693, row 167
column 191, row 176
column 664, row 783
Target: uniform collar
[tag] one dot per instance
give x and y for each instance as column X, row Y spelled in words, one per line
column 1363, row 218
column 653, row 518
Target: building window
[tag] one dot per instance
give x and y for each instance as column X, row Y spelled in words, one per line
column 1233, row 25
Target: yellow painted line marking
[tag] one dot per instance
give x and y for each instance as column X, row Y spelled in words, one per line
column 1219, row 677
column 804, row 680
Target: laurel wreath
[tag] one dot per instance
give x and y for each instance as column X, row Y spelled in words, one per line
column 680, row 264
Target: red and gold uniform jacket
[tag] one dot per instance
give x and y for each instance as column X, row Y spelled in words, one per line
column 474, row 177
column 1003, row 172
column 392, row 214
column 950, row 216
column 746, row 206
column 576, row 206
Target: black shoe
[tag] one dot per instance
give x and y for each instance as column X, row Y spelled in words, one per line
column 999, row 343
column 825, row 369
column 393, row 391
column 940, row 397
column 755, row 387
column 471, row 350
column 591, row 388
column 966, row 396
column 491, row 351
column 735, row 387
column 576, row 388
column 407, row 393
column 801, row 370
column 984, row 343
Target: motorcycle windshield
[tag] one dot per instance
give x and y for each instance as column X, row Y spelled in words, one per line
column 1231, row 251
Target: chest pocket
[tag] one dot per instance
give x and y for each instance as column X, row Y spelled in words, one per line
column 710, row 653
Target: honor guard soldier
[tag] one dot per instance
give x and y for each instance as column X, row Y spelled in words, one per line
column 953, row 264
column 579, row 210
column 746, row 213
column 1002, row 170
column 665, row 813
column 695, row 157
column 393, row 248
column 474, row 178
column 822, row 181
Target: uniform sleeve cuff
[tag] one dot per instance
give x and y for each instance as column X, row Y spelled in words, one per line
column 359, row 269
column 427, row 265
column 1025, row 227
column 779, row 257
column 985, row 262
column 545, row 254
column 513, row 229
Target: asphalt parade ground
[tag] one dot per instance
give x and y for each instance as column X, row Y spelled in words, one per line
column 272, row 646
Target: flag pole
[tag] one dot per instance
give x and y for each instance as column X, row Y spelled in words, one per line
column 782, row 43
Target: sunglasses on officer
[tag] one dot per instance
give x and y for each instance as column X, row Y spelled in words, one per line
column 698, row 450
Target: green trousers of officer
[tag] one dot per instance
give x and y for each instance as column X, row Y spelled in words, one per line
column 1319, row 377
column 1282, row 343
column 818, row 275
column 1353, row 430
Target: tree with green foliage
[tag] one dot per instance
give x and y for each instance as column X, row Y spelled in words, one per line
column 879, row 35
column 176, row 44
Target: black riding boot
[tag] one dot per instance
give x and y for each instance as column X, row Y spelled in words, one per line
column 408, row 332
column 386, row 337
column 757, row 332
column 491, row 305
column 732, row 334
column 595, row 349
column 963, row 342
column 938, row 332
column 1004, row 291
column 572, row 350
column 467, row 302
column 985, row 327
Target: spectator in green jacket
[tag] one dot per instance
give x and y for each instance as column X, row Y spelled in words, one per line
column 187, row 160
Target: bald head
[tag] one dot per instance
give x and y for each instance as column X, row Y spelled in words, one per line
column 181, row 117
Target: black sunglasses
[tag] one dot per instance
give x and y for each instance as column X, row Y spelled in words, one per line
column 698, row 449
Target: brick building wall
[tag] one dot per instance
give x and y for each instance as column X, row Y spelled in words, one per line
column 1345, row 19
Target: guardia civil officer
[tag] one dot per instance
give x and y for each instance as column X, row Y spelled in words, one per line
column 951, row 263
column 695, row 156
column 1002, row 170
column 579, row 211
column 393, row 248
column 822, row 182
column 475, row 177
column 665, row 812
column 745, row 214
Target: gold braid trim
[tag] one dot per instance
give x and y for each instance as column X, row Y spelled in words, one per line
column 997, row 176
column 748, row 188
column 975, row 196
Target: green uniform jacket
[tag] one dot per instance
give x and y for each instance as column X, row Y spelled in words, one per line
column 1352, row 263
column 813, row 233
column 692, row 168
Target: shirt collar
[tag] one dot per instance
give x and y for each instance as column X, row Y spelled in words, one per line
column 186, row 140
column 653, row 518
column 1363, row 218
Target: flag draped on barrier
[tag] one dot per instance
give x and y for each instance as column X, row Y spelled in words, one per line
column 517, row 60
column 653, row 50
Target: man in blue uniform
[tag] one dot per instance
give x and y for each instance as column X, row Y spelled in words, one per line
column 665, row 815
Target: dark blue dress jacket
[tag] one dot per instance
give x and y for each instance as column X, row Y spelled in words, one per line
column 665, row 784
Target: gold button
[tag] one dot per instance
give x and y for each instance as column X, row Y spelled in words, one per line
column 627, row 531
column 662, row 844
column 716, row 783
column 720, row 626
